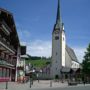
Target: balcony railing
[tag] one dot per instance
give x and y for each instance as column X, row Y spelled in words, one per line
column 5, row 62
column 7, row 45
column 5, row 30
column 5, row 27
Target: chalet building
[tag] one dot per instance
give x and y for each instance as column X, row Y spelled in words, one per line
column 9, row 46
column 21, row 65
column 23, row 50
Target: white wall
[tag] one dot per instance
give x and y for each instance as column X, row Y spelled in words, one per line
column 58, row 52
column 63, row 43
column 18, row 61
column 75, row 64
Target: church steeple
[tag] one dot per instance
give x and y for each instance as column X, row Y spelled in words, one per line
column 58, row 13
column 58, row 18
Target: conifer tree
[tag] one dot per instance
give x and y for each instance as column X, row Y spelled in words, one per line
column 86, row 61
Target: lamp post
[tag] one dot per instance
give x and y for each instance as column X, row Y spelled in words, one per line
column 50, row 83
column 40, row 72
column 33, row 71
column 31, row 77
column 37, row 78
column 50, row 75
column 6, row 85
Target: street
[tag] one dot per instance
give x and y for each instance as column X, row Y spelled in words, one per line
column 66, row 88
column 43, row 85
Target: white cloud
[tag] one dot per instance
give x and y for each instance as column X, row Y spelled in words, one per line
column 39, row 48
column 44, row 48
column 79, row 51
column 22, row 32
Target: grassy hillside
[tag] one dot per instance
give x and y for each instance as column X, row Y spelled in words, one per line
column 38, row 63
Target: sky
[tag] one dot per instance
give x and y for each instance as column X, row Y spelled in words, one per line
column 35, row 20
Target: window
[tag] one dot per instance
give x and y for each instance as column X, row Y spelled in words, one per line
column 63, row 38
column 4, row 72
column 5, row 29
column 0, row 35
column 56, row 53
column 7, row 72
column 0, row 72
column 56, row 38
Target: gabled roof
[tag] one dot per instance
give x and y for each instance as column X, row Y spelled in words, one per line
column 71, row 53
column 24, row 56
column 6, row 11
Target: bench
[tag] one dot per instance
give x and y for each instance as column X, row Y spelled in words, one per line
column 72, row 83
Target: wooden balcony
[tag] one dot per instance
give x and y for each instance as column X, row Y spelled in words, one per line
column 4, row 62
column 6, row 47
column 5, row 28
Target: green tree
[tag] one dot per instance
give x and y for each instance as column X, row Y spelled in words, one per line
column 86, row 61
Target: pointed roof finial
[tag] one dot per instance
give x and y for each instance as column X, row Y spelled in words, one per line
column 58, row 18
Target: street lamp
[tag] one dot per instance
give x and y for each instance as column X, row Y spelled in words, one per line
column 33, row 71
column 31, row 77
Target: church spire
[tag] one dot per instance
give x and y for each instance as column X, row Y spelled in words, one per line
column 58, row 12
column 58, row 18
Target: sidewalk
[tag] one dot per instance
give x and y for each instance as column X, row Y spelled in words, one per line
column 41, row 84
column 36, row 85
column 48, row 84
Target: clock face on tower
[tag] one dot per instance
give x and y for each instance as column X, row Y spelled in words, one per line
column 56, row 37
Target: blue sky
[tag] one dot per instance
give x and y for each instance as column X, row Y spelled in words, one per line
column 35, row 20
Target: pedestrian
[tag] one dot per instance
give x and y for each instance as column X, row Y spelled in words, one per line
column 37, row 78
column 84, row 82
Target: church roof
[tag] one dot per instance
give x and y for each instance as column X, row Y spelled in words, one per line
column 71, row 53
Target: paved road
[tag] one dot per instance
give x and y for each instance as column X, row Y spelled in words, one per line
column 43, row 85
column 66, row 88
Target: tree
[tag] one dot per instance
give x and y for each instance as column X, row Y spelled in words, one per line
column 86, row 62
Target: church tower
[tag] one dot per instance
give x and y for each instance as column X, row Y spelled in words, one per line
column 58, row 45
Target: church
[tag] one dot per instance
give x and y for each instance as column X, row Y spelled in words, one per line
column 63, row 56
